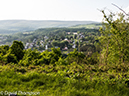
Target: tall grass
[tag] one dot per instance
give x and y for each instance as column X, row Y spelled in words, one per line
column 60, row 83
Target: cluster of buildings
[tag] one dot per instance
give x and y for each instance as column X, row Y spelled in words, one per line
column 33, row 44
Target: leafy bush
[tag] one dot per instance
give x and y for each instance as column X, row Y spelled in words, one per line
column 75, row 56
column 10, row 58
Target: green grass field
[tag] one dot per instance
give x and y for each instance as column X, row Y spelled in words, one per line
column 61, row 80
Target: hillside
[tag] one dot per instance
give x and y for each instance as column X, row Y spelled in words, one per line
column 67, row 61
column 13, row 26
column 89, row 26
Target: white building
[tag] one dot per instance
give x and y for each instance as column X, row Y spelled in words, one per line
column 66, row 48
column 27, row 45
column 31, row 45
column 45, row 37
column 66, row 39
column 74, row 46
column 75, row 33
column 34, row 41
column 46, row 47
column 41, row 42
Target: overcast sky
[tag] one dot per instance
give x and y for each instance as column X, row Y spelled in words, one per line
column 79, row 10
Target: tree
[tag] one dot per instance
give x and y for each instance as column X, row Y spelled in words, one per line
column 17, row 49
column 55, row 43
column 30, row 57
column 4, row 49
column 13, row 53
column 50, row 57
column 114, row 38
column 75, row 56
column 10, row 58
column 75, row 36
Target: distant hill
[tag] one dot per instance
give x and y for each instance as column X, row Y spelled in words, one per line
column 13, row 26
column 89, row 26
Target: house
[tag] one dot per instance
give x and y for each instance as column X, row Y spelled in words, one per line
column 74, row 46
column 31, row 45
column 27, row 45
column 34, row 41
column 66, row 39
column 36, row 45
column 68, row 32
column 82, row 36
column 41, row 42
column 75, row 33
column 56, row 46
column 66, row 48
column 45, row 37
column 42, row 50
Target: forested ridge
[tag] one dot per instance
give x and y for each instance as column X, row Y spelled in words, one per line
column 15, row 26
column 99, row 67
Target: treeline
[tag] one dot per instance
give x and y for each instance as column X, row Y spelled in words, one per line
column 39, row 33
column 113, row 42
column 16, row 54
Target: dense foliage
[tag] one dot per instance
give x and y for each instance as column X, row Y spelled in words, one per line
column 115, row 39
column 105, row 72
